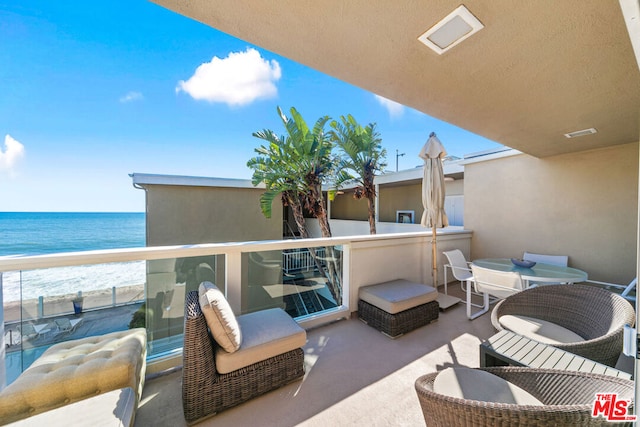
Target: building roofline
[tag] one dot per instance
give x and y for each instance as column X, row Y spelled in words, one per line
column 483, row 156
column 454, row 167
column 141, row 179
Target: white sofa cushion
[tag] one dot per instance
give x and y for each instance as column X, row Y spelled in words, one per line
column 219, row 316
column 397, row 295
column 265, row 334
column 475, row 384
column 539, row 330
column 74, row 370
column 114, row 409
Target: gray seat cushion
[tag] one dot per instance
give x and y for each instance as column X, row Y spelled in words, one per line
column 539, row 330
column 397, row 295
column 475, row 384
column 265, row 334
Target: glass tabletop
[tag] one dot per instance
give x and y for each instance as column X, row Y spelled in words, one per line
column 540, row 272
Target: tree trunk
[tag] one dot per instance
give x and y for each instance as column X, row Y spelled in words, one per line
column 372, row 215
column 298, row 216
column 323, row 222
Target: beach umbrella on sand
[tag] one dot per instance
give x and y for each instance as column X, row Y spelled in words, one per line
column 433, row 192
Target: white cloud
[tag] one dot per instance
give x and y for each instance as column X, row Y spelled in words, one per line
column 131, row 96
column 394, row 109
column 13, row 152
column 238, row 79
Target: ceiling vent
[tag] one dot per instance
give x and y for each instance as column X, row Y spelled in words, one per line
column 582, row 132
column 454, row 28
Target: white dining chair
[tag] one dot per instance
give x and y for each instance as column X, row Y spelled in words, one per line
column 499, row 284
column 459, row 266
column 559, row 260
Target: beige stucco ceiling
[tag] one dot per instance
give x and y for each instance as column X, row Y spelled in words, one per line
column 538, row 69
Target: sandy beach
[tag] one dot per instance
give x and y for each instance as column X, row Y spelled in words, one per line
column 60, row 305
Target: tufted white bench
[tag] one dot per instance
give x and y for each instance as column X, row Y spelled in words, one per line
column 75, row 370
column 114, row 409
column 398, row 306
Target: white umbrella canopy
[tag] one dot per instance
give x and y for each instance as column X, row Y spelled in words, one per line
column 433, row 189
column 433, row 192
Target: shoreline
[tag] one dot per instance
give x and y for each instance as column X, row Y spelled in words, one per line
column 62, row 304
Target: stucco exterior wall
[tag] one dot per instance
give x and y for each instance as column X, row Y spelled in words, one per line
column 344, row 206
column 584, row 205
column 400, row 198
column 179, row 215
column 455, row 188
column 392, row 198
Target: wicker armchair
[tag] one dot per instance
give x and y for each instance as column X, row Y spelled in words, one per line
column 206, row 391
column 568, row 399
column 596, row 315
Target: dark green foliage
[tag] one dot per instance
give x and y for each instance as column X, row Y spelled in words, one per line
column 138, row 320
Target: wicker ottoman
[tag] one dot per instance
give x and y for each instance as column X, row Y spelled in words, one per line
column 398, row 306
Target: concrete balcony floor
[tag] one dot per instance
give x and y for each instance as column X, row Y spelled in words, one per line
column 354, row 376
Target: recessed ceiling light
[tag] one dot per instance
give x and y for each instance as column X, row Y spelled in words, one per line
column 582, row 132
column 454, row 28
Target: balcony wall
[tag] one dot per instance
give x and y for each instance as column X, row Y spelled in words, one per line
column 584, row 205
column 400, row 256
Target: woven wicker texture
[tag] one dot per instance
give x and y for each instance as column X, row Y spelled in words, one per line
column 205, row 391
column 595, row 314
column 399, row 323
column 567, row 396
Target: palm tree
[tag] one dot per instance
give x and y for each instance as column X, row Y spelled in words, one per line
column 312, row 161
column 362, row 156
column 274, row 167
column 294, row 166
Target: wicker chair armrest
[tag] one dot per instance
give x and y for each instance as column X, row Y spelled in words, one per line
column 568, row 399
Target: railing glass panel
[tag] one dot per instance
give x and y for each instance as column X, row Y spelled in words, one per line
column 168, row 281
column 302, row 281
column 46, row 306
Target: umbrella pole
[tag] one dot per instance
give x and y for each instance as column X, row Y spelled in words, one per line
column 434, row 272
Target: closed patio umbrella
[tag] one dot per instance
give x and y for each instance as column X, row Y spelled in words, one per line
column 433, row 192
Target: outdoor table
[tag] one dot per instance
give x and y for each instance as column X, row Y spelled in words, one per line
column 539, row 273
column 509, row 348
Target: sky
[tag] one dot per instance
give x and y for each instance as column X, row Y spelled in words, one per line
column 91, row 92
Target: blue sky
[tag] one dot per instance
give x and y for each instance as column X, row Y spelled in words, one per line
column 93, row 91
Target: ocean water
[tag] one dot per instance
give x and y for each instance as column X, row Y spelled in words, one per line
column 26, row 233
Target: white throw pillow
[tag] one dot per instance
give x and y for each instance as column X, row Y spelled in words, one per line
column 220, row 318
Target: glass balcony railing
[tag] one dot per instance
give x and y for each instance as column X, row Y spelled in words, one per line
column 58, row 297
column 44, row 306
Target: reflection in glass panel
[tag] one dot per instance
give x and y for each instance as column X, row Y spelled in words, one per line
column 168, row 281
column 303, row 281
